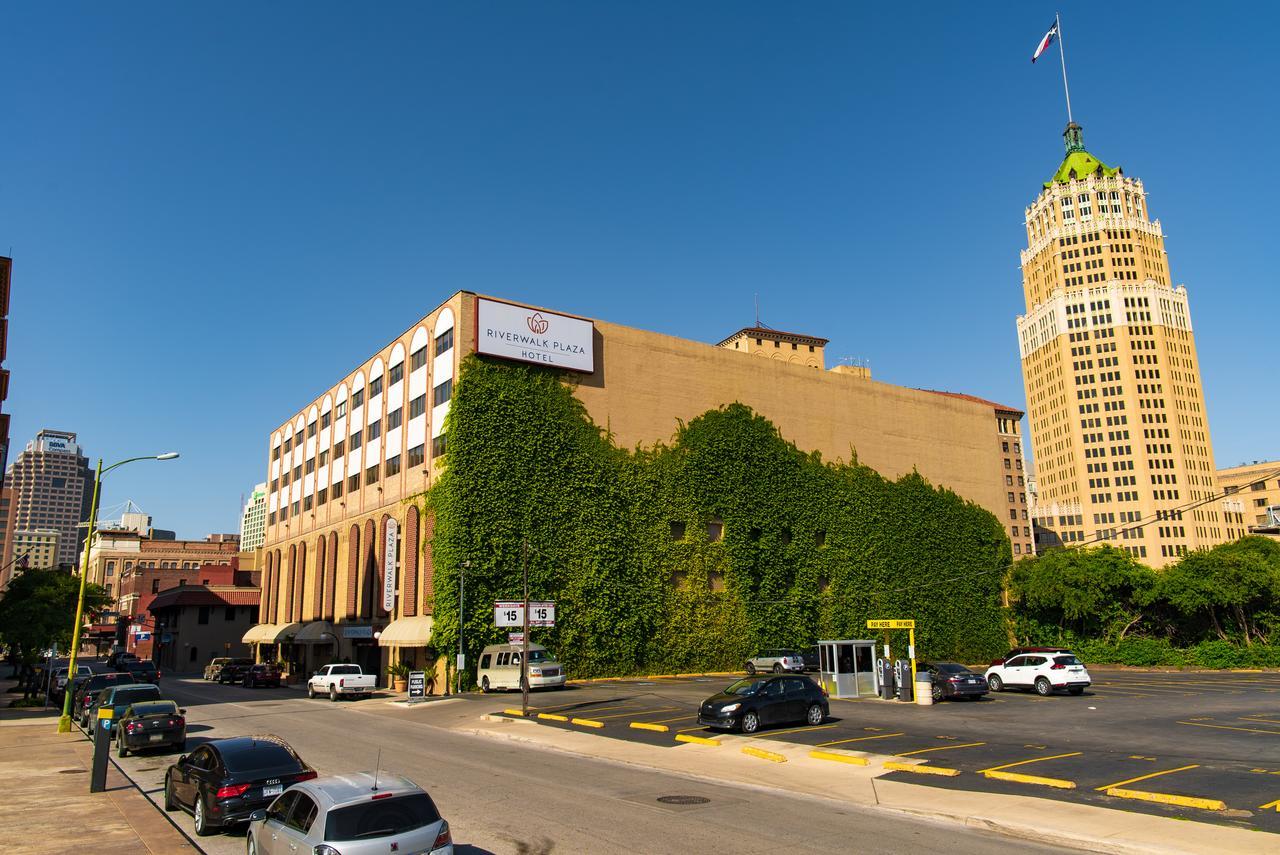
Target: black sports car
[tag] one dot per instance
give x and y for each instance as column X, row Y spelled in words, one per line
column 757, row 702
column 225, row 780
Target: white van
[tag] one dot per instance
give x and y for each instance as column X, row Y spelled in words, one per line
column 500, row 668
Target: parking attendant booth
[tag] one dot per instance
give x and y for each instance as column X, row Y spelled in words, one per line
column 846, row 669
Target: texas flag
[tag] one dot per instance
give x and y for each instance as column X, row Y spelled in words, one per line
column 1045, row 42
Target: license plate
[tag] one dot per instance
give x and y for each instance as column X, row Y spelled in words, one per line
column 273, row 791
column 157, row 737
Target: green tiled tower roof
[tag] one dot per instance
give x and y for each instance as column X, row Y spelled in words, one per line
column 1078, row 163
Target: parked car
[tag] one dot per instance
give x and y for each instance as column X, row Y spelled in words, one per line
column 953, row 680
column 1043, row 672
column 341, row 680
column 359, row 814
column 1018, row 651
column 776, row 661
column 118, row 698
column 499, row 668
column 755, row 702
column 262, row 675
column 59, row 686
column 225, row 780
column 233, row 671
column 151, row 724
column 84, row 689
column 143, row 670
column 215, row 665
column 812, row 661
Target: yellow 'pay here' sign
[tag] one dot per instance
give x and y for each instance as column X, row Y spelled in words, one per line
column 891, row 624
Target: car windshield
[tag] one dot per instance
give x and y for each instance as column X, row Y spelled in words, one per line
column 154, row 708
column 745, row 687
column 381, row 818
column 950, row 668
column 541, row 656
column 132, row 695
column 1066, row 660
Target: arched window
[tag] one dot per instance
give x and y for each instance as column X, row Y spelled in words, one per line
column 353, row 569
column 288, row 589
column 409, row 595
column 369, row 582
column 300, row 582
column 264, row 600
column 331, row 578
column 317, row 599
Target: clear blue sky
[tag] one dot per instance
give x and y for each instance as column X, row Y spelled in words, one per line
column 196, row 198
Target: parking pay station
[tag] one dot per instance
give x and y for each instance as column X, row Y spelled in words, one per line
column 846, row 668
column 896, row 678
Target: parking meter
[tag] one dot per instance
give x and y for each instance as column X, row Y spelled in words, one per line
column 902, row 676
column 101, row 747
column 884, row 670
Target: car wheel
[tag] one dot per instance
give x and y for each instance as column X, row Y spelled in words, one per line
column 1076, row 690
column 121, row 750
column 777, row 667
column 937, row 694
column 169, row 804
column 751, row 668
column 1043, row 687
column 995, row 683
column 484, row 684
column 750, row 722
column 815, row 714
column 311, row 692
column 201, row 823
column 333, row 694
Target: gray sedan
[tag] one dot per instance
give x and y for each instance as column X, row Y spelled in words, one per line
column 355, row 814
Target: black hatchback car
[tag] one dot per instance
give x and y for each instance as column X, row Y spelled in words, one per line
column 756, row 702
column 225, row 780
column 953, row 680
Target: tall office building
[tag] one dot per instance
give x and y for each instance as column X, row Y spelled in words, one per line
column 253, row 519
column 1118, row 424
column 6, row 269
column 50, row 488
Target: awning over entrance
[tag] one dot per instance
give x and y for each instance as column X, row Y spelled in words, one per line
column 316, row 632
column 271, row 633
column 407, row 632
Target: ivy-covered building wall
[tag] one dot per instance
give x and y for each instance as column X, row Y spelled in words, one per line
column 692, row 555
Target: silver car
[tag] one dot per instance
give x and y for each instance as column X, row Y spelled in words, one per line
column 777, row 661
column 355, row 814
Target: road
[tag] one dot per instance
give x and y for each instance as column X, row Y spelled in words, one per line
column 501, row 797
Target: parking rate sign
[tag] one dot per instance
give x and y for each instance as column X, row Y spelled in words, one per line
column 508, row 614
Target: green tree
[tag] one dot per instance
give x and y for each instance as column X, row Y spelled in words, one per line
column 39, row 608
column 1102, row 593
column 1232, row 590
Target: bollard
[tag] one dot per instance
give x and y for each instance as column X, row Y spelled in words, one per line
column 101, row 748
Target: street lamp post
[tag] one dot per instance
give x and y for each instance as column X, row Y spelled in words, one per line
column 457, row 670
column 64, row 721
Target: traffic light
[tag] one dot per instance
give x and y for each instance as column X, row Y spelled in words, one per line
column 122, row 628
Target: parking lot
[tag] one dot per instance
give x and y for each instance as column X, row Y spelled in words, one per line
column 1203, row 746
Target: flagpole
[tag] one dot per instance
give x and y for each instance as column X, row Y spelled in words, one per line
column 1062, row 55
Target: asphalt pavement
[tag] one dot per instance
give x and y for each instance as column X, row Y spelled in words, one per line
column 501, row 797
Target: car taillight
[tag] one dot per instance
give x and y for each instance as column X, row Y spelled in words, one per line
column 955, row 679
column 1057, row 667
column 233, row 791
column 383, row 796
column 342, row 681
column 132, row 726
column 443, row 838
column 306, row 776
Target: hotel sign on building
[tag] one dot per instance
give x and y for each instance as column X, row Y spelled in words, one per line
column 516, row 332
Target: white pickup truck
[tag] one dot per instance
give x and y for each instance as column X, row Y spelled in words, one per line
column 338, row 680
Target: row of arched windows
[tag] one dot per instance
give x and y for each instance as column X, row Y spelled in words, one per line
column 288, row 575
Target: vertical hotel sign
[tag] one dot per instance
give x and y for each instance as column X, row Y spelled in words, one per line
column 523, row 334
column 389, row 567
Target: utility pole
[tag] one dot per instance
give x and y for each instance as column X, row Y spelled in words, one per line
column 524, row 657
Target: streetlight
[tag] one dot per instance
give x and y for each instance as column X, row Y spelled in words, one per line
column 64, row 722
column 457, row 670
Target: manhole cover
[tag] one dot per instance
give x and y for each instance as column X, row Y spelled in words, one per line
column 72, row 771
column 683, row 800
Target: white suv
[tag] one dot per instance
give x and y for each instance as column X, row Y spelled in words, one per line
column 1043, row 672
column 777, row 661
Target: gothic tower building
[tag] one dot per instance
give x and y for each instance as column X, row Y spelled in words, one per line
column 1115, row 401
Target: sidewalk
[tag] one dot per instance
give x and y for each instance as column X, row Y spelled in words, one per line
column 45, row 803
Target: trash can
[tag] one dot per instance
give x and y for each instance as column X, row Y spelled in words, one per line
column 924, row 689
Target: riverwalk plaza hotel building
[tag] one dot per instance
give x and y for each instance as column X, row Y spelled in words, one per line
column 1116, row 406
column 347, row 559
